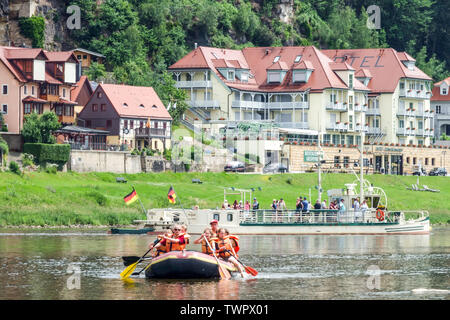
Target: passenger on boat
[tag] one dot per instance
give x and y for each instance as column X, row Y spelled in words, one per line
column 176, row 242
column 206, row 249
column 160, row 247
column 214, row 228
column 255, row 204
column 225, row 249
column 184, row 232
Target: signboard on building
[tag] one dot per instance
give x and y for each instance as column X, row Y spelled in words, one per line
column 311, row 156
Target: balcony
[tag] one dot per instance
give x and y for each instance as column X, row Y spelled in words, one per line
column 293, row 125
column 373, row 131
column 360, row 108
column 373, row 112
column 288, row 105
column 151, row 133
column 204, row 104
column 193, row 84
column 66, row 119
column 415, row 94
column 407, row 113
column 248, row 104
column 337, row 106
column 405, row 132
column 358, row 128
column 337, row 127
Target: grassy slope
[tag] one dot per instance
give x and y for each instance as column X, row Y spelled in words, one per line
column 96, row 198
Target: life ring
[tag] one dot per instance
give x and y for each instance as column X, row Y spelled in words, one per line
column 380, row 215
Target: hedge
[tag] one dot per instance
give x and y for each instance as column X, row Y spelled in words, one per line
column 43, row 153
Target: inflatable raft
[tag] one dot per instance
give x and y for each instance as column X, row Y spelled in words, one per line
column 186, row 265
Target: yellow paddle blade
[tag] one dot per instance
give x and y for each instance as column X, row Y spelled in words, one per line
column 128, row 271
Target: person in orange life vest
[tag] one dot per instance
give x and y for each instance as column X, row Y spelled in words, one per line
column 160, row 248
column 224, row 248
column 214, row 228
column 184, row 232
column 175, row 241
column 234, row 242
column 205, row 247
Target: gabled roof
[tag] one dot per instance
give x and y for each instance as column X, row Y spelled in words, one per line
column 279, row 65
column 305, row 64
column 384, row 65
column 436, row 92
column 363, row 73
column 23, row 53
column 135, row 96
column 89, row 52
column 61, row 56
column 78, row 86
column 403, row 56
column 338, row 66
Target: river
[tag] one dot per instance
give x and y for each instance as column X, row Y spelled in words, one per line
column 71, row 264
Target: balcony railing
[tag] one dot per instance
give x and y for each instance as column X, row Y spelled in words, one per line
column 405, row 132
column 97, row 146
column 337, row 106
column 337, row 127
column 151, row 132
column 358, row 128
column 293, row 125
column 417, row 94
column 288, row 105
column 360, row 108
column 204, row 104
column 373, row 112
column 193, row 84
column 248, row 104
column 373, row 130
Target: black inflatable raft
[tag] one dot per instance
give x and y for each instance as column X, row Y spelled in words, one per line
column 186, row 265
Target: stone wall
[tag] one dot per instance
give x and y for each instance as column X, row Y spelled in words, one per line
column 103, row 161
column 14, row 141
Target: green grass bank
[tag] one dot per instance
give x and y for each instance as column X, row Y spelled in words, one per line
column 62, row 199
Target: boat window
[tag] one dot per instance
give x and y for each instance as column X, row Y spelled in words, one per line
column 230, row 217
column 369, row 202
column 216, row 216
column 376, row 200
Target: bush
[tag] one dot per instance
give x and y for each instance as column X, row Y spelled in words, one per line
column 27, row 160
column 98, row 197
column 51, row 168
column 33, row 28
column 52, row 153
column 14, row 167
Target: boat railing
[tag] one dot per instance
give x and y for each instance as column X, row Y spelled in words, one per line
column 415, row 215
column 321, row 216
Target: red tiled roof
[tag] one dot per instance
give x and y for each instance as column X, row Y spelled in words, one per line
column 363, row 73
column 305, row 64
column 135, row 96
column 22, row 53
column 337, row 66
column 50, row 79
column 384, row 65
column 60, row 56
column 436, row 92
column 279, row 65
column 77, row 89
column 64, row 101
column 403, row 56
column 34, row 99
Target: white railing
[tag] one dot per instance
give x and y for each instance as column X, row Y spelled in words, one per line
column 360, row 108
column 204, row 104
column 337, row 126
column 372, row 130
column 404, row 132
column 412, row 93
column 248, row 104
column 338, row 106
column 193, row 84
column 294, row 125
column 288, row 105
column 372, row 111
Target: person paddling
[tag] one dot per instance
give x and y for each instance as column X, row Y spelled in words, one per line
column 160, row 248
column 214, row 228
column 225, row 249
column 175, row 242
column 206, row 249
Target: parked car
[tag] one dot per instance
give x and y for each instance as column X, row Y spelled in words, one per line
column 438, row 172
column 274, row 168
column 234, row 166
column 419, row 172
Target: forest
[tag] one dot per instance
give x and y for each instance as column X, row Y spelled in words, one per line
column 141, row 38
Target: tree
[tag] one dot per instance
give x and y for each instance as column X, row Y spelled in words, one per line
column 39, row 129
column 96, row 71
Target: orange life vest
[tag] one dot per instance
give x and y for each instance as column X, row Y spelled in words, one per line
column 224, row 246
column 234, row 243
column 206, row 248
column 175, row 246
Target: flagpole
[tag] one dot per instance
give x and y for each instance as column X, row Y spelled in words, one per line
column 142, row 205
column 184, row 212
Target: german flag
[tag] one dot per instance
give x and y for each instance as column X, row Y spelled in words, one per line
column 171, row 195
column 130, row 198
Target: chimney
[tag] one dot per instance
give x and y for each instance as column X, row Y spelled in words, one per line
column 195, row 45
column 267, row 51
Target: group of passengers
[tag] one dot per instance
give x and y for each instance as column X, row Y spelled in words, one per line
column 214, row 241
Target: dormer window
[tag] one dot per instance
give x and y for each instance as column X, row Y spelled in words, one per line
column 273, row 77
column 444, row 91
column 230, row 75
column 409, row 64
column 297, row 58
column 276, row 59
column 141, row 106
column 154, row 106
column 350, row 81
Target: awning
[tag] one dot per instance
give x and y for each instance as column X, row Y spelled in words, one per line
column 82, row 130
column 33, row 99
column 66, row 102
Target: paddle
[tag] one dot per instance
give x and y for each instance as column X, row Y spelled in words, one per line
column 131, row 259
column 129, row 270
column 223, row 273
column 248, row 269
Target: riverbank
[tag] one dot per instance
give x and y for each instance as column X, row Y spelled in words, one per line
column 63, row 199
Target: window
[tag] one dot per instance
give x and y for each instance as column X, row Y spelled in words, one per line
column 24, row 89
column 420, row 125
column 401, row 124
column 230, row 217
column 5, row 89
column 99, row 94
column 95, row 107
column 407, row 160
column 230, row 75
column 420, row 142
column 5, row 108
column 68, row 111
column 426, row 161
column 131, row 124
column 297, row 58
column 85, row 56
column 79, row 56
column 346, row 161
column 27, row 108
column 88, row 123
column 337, row 160
column 125, row 124
column 156, row 144
column 141, row 124
column 64, row 92
column 142, row 106
column 274, row 77
column 350, row 81
column 32, row 90
column 444, row 91
column 59, row 110
column 108, row 123
column 432, row 161
column 414, row 160
column 125, row 105
column 402, row 85
column 276, row 59
column 438, row 109
column 103, row 107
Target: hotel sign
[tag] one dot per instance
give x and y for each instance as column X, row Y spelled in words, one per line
column 311, row 156
column 387, row 149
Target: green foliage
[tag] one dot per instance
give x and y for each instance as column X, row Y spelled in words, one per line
column 4, row 149
column 96, row 71
column 52, row 153
column 27, row 160
column 33, row 28
column 14, row 167
column 39, row 129
column 98, row 197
